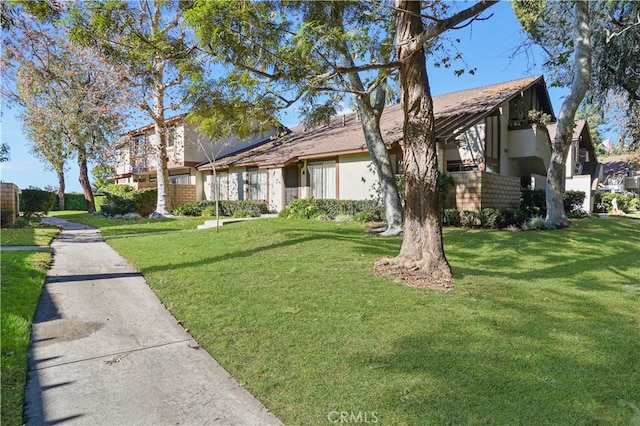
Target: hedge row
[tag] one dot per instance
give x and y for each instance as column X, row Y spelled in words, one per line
column 533, row 201
column 309, row 208
column 236, row 208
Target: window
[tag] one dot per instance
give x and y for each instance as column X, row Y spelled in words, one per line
column 138, row 146
column 179, row 179
column 492, row 143
column 222, row 185
column 257, row 184
column 323, row 179
column 171, row 137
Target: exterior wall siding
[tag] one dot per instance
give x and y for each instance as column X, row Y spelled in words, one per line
column 476, row 190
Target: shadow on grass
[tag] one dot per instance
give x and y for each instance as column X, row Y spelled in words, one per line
column 367, row 245
column 567, row 360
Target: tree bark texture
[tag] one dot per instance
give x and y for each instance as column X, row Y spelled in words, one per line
column 83, row 178
column 160, row 145
column 61, row 189
column 421, row 255
column 370, row 114
column 566, row 118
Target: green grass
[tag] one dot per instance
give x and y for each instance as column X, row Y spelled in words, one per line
column 32, row 236
column 542, row 328
column 23, row 275
column 113, row 227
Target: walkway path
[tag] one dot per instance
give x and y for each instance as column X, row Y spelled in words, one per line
column 105, row 351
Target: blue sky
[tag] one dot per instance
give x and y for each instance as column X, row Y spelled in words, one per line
column 485, row 45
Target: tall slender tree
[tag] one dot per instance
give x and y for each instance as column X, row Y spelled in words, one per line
column 71, row 99
column 146, row 38
column 578, row 47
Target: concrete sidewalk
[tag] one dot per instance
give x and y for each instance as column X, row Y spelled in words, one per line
column 105, row 351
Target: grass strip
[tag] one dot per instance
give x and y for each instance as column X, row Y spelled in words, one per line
column 23, row 275
column 32, row 236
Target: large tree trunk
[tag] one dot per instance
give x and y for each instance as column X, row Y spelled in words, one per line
column 566, row 119
column 160, row 146
column 61, row 189
column 421, row 261
column 370, row 114
column 83, row 178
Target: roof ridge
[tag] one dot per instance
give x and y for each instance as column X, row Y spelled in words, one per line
column 532, row 78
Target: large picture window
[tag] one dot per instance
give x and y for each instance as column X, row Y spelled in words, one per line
column 257, row 184
column 323, row 179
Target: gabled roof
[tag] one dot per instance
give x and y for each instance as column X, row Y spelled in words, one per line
column 616, row 164
column 454, row 114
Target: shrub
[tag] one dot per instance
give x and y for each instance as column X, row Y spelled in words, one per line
column 241, row 213
column 73, row 201
column 145, row 201
column 225, row 208
column 451, row 217
column 334, row 208
column 208, row 211
column 532, row 202
column 6, row 218
column 304, row 208
column 363, row 217
column 470, row 219
column 603, row 202
column 538, row 223
column 489, row 218
column 573, row 201
column 37, row 201
column 510, row 218
column 118, row 200
column 634, row 204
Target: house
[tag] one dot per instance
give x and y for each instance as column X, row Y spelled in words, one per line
column 486, row 141
column 135, row 162
column 619, row 174
column 489, row 139
column 582, row 172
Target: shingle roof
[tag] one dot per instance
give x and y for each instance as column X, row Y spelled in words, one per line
column 454, row 113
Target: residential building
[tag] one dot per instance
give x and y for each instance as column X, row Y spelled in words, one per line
column 620, row 175
column 486, row 141
column 135, row 163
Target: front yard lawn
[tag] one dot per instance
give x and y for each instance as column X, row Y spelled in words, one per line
column 542, row 328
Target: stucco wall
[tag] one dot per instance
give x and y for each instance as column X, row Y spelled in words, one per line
column 357, row 177
column 275, row 190
column 581, row 183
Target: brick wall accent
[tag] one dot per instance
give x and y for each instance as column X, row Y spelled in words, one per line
column 476, row 190
column 180, row 194
column 9, row 198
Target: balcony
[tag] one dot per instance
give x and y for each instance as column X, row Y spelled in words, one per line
column 632, row 183
column 530, row 147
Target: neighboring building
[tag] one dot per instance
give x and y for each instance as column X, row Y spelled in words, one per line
column 186, row 147
column 582, row 171
column 619, row 175
column 485, row 141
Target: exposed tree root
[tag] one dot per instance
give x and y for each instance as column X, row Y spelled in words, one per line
column 414, row 273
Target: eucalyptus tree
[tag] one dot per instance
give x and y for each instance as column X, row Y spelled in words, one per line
column 146, row 39
column 70, row 99
column 603, row 55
